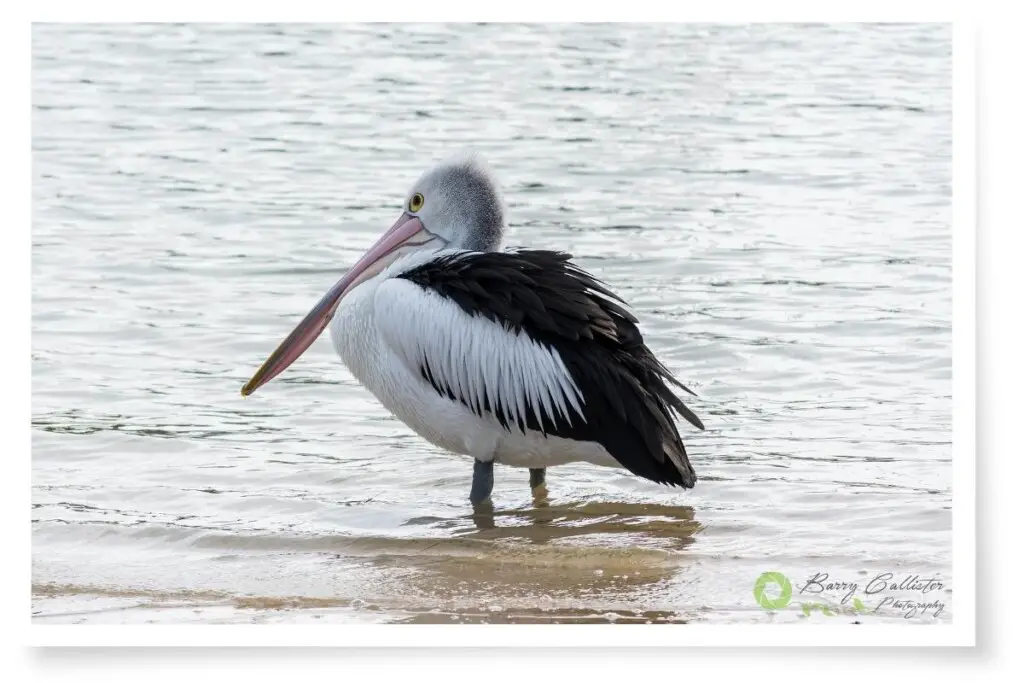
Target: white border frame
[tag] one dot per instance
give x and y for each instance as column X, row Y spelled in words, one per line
column 961, row 632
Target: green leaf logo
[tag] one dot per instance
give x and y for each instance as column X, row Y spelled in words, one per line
column 858, row 605
column 778, row 579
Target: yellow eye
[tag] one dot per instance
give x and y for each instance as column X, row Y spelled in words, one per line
column 416, row 203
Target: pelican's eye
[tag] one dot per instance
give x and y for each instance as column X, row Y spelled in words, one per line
column 416, row 202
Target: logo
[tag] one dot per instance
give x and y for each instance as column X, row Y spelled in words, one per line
column 774, row 591
column 774, row 578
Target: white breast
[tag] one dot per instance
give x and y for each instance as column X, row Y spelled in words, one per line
column 374, row 363
column 377, row 352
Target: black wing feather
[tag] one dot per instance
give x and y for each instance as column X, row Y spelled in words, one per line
column 629, row 404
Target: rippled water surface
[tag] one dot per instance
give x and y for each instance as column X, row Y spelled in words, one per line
column 773, row 201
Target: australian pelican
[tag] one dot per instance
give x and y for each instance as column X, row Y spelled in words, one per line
column 517, row 357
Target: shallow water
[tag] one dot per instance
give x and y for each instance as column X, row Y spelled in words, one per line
column 774, row 202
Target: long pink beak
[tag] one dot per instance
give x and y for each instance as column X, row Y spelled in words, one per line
column 407, row 231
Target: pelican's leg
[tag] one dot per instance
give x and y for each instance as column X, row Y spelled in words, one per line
column 483, row 481
column 537, row 487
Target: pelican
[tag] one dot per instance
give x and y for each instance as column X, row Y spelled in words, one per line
column 516, row 356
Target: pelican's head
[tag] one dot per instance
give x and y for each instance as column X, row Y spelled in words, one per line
column 456, row 204
column 459, row 202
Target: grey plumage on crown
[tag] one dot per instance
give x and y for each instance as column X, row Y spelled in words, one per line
column 473, row 208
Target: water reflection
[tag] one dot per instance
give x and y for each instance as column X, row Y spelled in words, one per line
column 544, row 523
column 584, row 562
